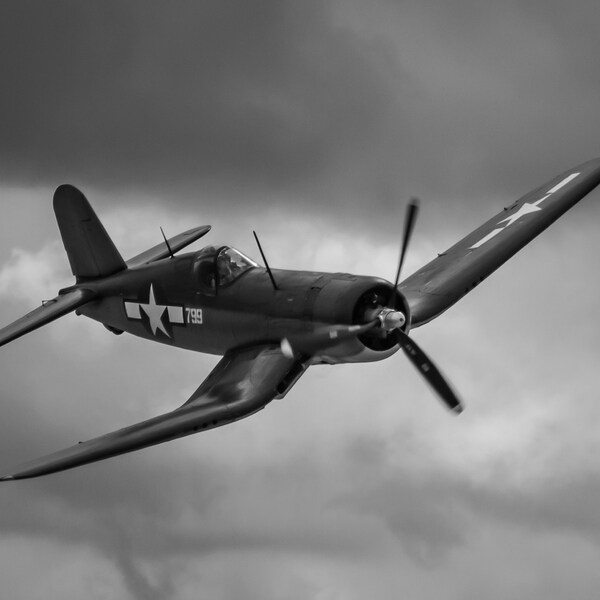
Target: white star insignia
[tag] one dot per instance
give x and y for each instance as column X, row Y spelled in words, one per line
column 524, row 210
column 155, row 313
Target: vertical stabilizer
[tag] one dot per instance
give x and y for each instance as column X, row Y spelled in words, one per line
column 90, row 250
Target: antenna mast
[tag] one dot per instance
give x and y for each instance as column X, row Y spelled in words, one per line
column 265, row 261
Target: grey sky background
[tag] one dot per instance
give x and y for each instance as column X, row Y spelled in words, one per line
column 313, row 123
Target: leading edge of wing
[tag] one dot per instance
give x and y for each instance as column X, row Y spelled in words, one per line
column 242, row 383
column 454, row 273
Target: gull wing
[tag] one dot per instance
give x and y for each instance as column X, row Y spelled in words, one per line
column 48, row 312
column 455, row 272
column 242, row 383
column 176, row 243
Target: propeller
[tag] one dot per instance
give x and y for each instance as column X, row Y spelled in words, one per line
column 387, row 319
column 428, row 370
column 411, row 349
column 412, row 210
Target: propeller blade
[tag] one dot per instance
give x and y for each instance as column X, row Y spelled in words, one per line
column 412, row 210
column 429, row 371
column 321, row 338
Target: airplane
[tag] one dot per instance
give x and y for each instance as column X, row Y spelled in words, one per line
column 269, row 325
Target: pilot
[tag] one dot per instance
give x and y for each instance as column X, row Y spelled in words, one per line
column 227, row 268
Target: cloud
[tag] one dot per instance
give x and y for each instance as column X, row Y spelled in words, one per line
column 309, row 122
column 334, row 106
column 265, row 95
column 388, row 473
column 29, row 275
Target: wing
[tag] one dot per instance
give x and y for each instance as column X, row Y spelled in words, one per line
column 49, row 311
column 176, row 243
column 242, row 383
column 454, row 273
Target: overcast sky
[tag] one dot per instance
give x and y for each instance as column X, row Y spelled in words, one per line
column 312, row 122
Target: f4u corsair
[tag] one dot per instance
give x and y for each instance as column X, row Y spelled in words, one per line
column 269, row 325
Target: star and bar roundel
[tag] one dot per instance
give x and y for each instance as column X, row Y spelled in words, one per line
column 156, row 317
column 524, row 209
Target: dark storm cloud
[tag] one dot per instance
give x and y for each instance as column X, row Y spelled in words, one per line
column 501, row 95
column 273, row 101
column 126, row 93
column 310, row 104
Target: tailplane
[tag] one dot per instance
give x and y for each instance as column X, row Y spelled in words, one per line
column 90, row 250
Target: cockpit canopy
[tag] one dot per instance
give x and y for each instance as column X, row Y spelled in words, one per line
column 218, row 266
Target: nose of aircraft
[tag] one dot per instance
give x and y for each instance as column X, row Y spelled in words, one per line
column 391, row 319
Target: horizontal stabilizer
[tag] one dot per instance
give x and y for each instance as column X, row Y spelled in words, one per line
column 242, row 383
column 91, row 252
column 445, row 280
column 48, row 312
column 176, row 243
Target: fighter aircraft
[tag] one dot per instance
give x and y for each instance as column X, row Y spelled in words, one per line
column 270, row 325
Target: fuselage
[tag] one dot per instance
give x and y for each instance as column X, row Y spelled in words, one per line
column 172, row 301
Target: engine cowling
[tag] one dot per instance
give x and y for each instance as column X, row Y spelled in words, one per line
column 369, row 305
column 357, row 300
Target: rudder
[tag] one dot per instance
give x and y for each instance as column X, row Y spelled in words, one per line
column 90, row 250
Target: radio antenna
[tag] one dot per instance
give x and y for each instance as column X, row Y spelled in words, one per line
column 167, row 243
column 265, row 261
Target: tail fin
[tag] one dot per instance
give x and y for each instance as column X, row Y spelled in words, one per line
column 90, row 250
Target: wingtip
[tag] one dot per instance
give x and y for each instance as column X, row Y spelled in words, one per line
column 590, row 165
column 7, row 478
column 67, row 193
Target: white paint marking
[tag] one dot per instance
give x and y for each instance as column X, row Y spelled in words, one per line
column 524, row 209
column 538, row 202
column 286, row 348
column 487, row 238
column 155, row 312
column 132, row 309
column 175, row 314
column 563, row 183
